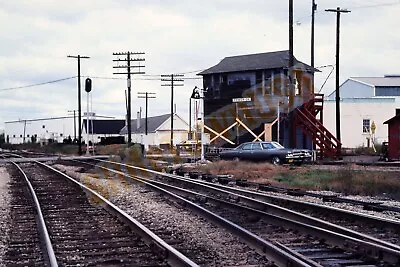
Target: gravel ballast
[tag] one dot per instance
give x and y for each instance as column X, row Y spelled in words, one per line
column 212, row 245
column 4, row 211
column 346, row 206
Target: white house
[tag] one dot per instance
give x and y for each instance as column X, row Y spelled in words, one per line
column 158, row 130
column 365, row 103
column 26, row 131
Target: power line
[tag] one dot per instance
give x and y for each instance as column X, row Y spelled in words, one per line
column 140, row 79
column 376, row 5
column 299, row 19
column 187, row 72
column 37, row 84
column 88, row 76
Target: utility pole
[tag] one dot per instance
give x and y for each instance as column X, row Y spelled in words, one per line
column 337, row 93
column 190, row 119
column 79, row 102
column 128, row 67
column 174, row 80
column 146, row 95
column 290, row 70
column 74, row 111
column 23, row 140
column 313, row 9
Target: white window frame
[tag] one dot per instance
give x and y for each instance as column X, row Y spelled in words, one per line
column 369, row 126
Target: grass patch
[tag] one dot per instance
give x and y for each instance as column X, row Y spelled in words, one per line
column 305, row 179
column 370, row 183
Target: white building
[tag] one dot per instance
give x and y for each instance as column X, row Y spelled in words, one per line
column 45, row 129
column 158, row 130
column 365, row 101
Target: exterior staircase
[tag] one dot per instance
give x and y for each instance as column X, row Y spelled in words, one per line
column 305, row 117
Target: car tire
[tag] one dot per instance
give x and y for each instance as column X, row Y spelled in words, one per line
column 235, row 159
column 276, row 160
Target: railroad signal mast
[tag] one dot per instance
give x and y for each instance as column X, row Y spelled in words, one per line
column 88, row 89
column 128, row 60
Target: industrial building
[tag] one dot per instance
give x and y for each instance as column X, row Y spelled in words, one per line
column 57, row 129
column 365, row 104
column 39, row 130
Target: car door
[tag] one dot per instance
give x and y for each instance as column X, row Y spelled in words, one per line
column 268, row 151
column 256, row 152
column 245, row 153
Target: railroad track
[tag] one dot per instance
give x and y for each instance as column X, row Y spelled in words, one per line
column 280, row 256
column 72, row 231
column 243, row 183
column 381, row 228
column 355, row 248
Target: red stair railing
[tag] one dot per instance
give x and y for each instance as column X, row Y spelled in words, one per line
column 305, row 118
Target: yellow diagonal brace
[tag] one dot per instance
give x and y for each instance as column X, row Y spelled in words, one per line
column 248, row 129
column 259, row 136
column 220, row 134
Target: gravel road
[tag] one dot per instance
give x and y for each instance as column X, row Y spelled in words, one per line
column 4, row 211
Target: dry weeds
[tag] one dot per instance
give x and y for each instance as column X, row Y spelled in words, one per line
column 256, row 172
column 348, row 179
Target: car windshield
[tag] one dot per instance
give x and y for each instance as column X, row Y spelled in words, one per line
column 238, row 147
column 277, row 145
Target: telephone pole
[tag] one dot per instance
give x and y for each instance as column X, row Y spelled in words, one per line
column 290, row 71
column 174, row 80
column 128, row 72
column 74, row 111
column 79, row 102
column 146, row 95
column 337, row 94
column 313, row 9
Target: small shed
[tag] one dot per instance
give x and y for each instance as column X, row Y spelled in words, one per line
column 394, row 137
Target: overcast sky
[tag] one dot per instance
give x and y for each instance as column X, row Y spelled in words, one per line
column 177, row 37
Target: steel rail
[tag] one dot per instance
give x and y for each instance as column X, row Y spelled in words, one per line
column 334, row 238
column 277, row 254
column 379, row 250
column 20, row 159
column 367, row 248
column 42, row 224
column 270, row 198
column 263, row 206
column 173, row 256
